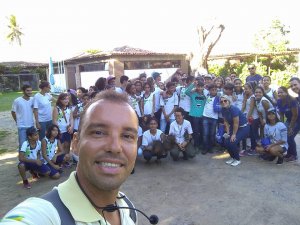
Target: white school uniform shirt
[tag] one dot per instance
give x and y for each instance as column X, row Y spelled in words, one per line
column 184, row 100
column 63, row 121
column 209, row 108
column 31, row 153
column 168, row 104
column 134, row 102
column 43, row 104
column 148, row 138
column 276, row 133
column 148, row 104
column 239, row 100
column 50, row 148
column 247, row 108
column 270, row 94
column 156, row 93
column 179, row 130
column 23, row 109
column 260, row 107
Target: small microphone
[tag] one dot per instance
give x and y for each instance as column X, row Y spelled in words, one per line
column 153, row 219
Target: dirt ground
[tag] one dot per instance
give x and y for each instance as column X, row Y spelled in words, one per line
column 201, row 191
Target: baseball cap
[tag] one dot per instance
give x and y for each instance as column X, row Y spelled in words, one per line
column 208, row 76
column 155, row 75
column 272, row 110
column 110, row 77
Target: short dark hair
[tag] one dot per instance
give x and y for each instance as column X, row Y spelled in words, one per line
column 31, row 131
column 82, row 89
column 174, row 79
column 179, row 109
column 25, row 86
column 123, row 78
column 190, row 78
column 229, row 86
column 211, row 86
column 143, row 75
column 108, row 95
column 44, row 84
column 295, row 78
column 170, row 84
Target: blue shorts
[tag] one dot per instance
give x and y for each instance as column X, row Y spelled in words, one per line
column 43, row 169
column 52, row 170
column 60, row 159
column 65, row 137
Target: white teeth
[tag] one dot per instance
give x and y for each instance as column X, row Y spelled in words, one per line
column 107, row 164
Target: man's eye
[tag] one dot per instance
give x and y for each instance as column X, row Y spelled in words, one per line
column 98, row 132
column 129, row 136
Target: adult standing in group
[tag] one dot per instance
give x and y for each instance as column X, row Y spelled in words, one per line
column 236, row 128
column 289, row 112
column 157, row 94
column 22, row 113
column 107, row 152
column 42, row 108
column 253, row 76
column 295, row 86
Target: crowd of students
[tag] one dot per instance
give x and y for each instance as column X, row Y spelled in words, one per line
column 203, row 114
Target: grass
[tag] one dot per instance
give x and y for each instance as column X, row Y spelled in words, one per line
column 7, row 98
column 2, row 151
column 3, row 133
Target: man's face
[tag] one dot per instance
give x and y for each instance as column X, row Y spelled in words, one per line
column 207, row 80
column 251, row 70
column 178, row 117
column 107, row 146
column 295, row 86
column 112, row 81
column 28, row 92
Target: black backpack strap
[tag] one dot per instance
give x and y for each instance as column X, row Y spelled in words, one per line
column 64, row 213
column 132, row 212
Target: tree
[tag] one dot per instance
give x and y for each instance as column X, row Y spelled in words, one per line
column 275, row 39
column 208, row 36
column 15, row 31
column 272, row 39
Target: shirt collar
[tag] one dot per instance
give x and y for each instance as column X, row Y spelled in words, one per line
column 80, row 207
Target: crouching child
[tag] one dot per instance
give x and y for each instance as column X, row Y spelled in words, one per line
column 52, row 152
column 30, row 157
column 182, row 130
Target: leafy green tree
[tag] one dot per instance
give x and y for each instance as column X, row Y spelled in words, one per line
column 273, row 38
column 281, row 67
column 15, row 33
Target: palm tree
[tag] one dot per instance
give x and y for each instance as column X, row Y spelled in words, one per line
column 15, row 31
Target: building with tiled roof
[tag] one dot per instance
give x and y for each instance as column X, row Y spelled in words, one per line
column 85, row 68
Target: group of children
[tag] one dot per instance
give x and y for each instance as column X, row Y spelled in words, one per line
column 156, row 104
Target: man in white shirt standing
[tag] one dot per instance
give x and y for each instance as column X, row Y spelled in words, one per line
column 182, row 130
column 43, row 109
column 22, row 113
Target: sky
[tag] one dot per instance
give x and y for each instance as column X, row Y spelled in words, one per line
column 63, row 29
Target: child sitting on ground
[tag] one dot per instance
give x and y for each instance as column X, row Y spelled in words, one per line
column 30, row 156
column 52, row 151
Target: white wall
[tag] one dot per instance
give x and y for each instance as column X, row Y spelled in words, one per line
column 89, row 78
column 60, row 83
